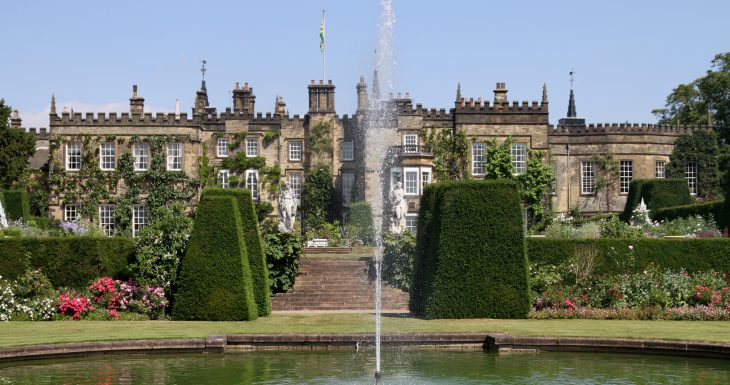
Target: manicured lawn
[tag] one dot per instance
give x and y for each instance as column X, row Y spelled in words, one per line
column 31, row 333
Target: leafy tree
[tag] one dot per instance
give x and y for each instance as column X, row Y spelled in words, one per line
column 705, row 97
column 450, row 153
column 399, row 251
column 318, row 197
column 607, row 173
column 283, row 256
column 499, row 160
column 360, row 224
column 16, row 146
column 700, row 147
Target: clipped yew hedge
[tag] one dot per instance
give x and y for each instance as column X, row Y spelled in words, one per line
column 215, row 280
column 657, row 194
column 714, row 209
column 254, row 245
column 67, row 261
column 636, row 254
column 470, row 258
column 16, row 204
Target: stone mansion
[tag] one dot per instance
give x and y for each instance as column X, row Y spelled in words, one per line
column 642, row 150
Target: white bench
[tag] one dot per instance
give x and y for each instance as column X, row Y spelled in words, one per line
column 321, row 242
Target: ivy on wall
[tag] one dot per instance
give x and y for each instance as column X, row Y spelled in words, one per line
column 321, row 138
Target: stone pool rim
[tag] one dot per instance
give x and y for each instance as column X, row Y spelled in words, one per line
column 497, row 342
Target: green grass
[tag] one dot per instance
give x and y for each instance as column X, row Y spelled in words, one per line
column 33, row 333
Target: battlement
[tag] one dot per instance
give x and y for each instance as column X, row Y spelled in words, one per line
column 626, row 129
column 124, row 118
column 40, row 133
column 471, row 105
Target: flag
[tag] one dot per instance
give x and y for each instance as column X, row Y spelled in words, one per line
column 321, row 34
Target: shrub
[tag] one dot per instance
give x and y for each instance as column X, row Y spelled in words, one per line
column 693, row 226
column 657, row 194
column 474, row 261
column 215, row 280
column 706, row 210
column 67, row 261
column 283, row 255
column 360, row 223
column 615, row 228
column 398, row 254
column 16, row 204
column 254, row 245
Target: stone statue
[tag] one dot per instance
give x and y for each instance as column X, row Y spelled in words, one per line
column 400, row 207
column 3, row 218
column 287, row 209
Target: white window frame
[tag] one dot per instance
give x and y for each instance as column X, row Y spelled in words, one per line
column 174, row 156
column 626, row 175
column 295, row 150
column 252, row 182
column 410, row 143
column 73, row 156
column 108, row 156
column 107, row 219
column 425, row 178
column 690, row 172
column 348, row 184
column 478, row 151
column 519, row 157
column 587, row 177
column 660, row 169
column 222, row 147
column 140, row 218
column 413, row 219
column 70, row 212
column 223, row 176
column 348, row 151
column 411, row 187
column 141, row 152
column 295, row 183
column 252, row 147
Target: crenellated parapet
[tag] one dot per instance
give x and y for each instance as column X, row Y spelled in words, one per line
column 41, row 133
column 626, row 129
column 471, row 105
column 102, row 119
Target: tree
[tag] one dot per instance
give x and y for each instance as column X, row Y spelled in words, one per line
column 318, row 198
column 707, row 97
column 499, row 160
column 700, row 147
column 450, row 153
column 16, row 146
column 607, row 173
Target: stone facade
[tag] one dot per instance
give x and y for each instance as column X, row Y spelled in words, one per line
column 287, row 141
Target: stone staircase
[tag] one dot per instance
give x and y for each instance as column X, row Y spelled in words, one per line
column 337, row 284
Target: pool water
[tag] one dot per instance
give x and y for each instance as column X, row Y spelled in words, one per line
column 356, row 367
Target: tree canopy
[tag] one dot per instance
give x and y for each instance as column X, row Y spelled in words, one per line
column 706, row 98
column 16, row 146
column 450, row 153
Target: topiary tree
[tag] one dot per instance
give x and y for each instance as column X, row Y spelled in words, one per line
column 215, row 281
column 254, row 245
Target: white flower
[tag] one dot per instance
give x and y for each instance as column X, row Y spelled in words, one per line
column 631, row 247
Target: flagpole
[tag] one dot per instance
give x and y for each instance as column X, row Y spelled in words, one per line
column 324, row 53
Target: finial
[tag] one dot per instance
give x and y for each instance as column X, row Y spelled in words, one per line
column 544, row 93
column 53, row 104
column 572, row 74
column 202, row 68
column 458, row 91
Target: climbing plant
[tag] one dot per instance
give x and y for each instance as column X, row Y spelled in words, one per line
column 450, row 153
column 321, row 138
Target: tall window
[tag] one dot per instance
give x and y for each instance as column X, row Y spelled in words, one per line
column 626, row 175
column 70, row 213
column 660, row 169
column 411, row 181
column 587, row 177
column 222, row 147
column 477, row 159
column 108, row 154
column 174, row 156
column 411, row 222
column 139, row 219
column 223, row 178
column 348, row 151
column 348, row 181
column 73, row 156
column 252, row 147
column 425, row 178
column 252, row 182
column 519, row 157
column 106, row 218
column 410, row 142
column 295, row 150
column 141, row 156
column 690, row 172
column 295, row 183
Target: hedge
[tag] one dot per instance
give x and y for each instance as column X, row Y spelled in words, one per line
column 16, row 204
column 620, row 255
column 704, row 209
column 657, row 194
column 472, row 260
column 215, row 278
column 254, row 245
column 72, row 262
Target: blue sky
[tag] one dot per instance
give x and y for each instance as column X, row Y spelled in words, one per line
column 627, row 55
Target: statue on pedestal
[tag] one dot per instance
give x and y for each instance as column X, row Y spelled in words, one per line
column 287, row 209
column 400, row 208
